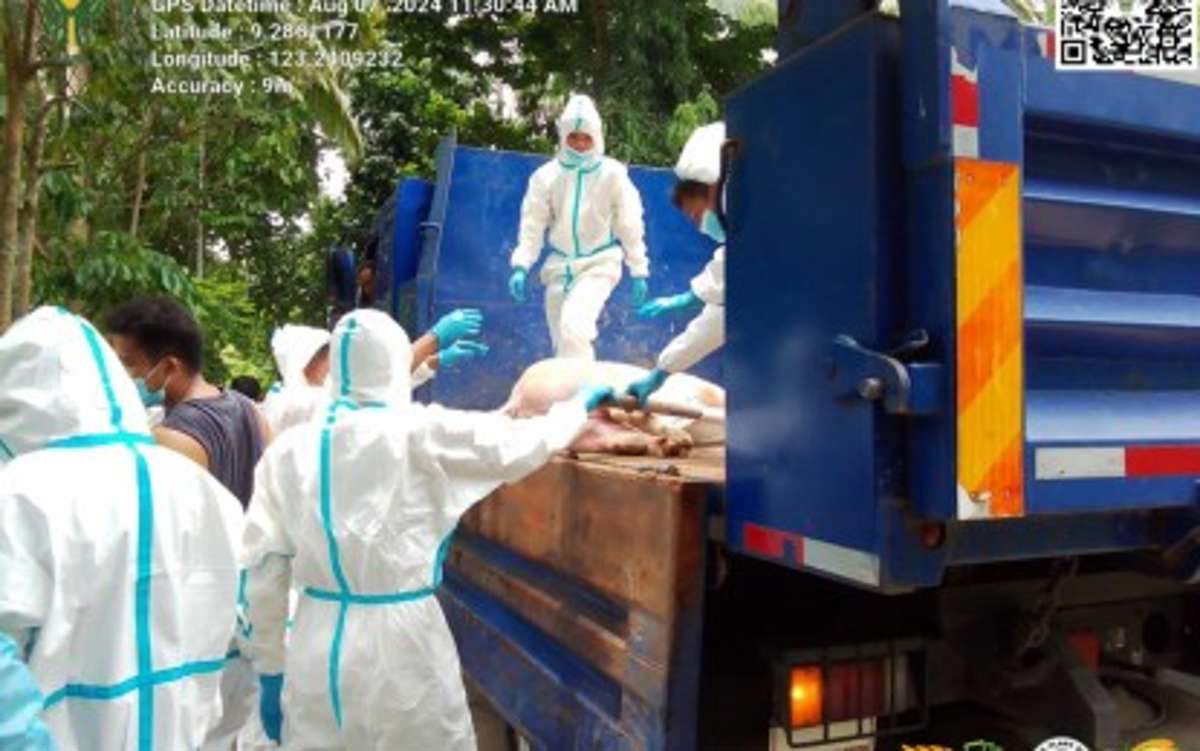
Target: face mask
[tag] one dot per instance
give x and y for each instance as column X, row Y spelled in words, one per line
column 150, row 398
column 573, row 159
column 711, row 226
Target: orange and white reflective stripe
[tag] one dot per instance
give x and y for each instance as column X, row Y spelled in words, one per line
column 991, row 367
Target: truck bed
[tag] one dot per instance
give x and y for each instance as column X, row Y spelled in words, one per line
column 581, row 587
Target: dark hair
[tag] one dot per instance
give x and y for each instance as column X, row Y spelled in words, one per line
column 247, row 386
column 685, row 189
column 160, row 326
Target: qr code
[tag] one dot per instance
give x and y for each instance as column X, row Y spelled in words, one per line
column 1151, row 35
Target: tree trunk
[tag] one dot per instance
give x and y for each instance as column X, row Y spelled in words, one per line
column 17, row 51
column 200, row 199
column 139, row 188
column 29, row 212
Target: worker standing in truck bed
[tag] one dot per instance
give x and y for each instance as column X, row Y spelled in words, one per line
column 594, row 216
column 699, row 173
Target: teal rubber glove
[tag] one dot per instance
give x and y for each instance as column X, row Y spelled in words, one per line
column 457, row 324
column 637, row 297
column 516, row 284
column 594, row 396
column 660, row 305
column 461, row 351
column 642, row 389
column 270, row 705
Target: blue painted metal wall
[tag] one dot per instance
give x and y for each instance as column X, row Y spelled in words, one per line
column 400, row 232
column 842, row 223
column 464, row 263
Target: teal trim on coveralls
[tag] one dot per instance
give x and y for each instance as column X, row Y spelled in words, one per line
column 569, row 279
column 351, row 325
column 351, row 598
column 344, row 596
column 4, row 449
column 326, row 469
column 244, row 606
column 117, row 690
column 96, row 440
column 146, row 678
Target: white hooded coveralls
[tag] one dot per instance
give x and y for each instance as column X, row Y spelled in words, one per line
column 701, row 161
column 593, row 213
column 358, row 511
column 117, row 557
column 296, row 401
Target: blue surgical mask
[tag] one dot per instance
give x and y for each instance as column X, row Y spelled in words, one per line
column 150, row 398
column 711, row 226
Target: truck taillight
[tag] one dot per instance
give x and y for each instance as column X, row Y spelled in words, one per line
column 843, row 691
column 806, row 697
column 849, row 692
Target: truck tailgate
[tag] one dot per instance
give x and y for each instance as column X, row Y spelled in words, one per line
column 581, row 588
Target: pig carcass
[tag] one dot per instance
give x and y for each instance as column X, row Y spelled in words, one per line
column 616, row 431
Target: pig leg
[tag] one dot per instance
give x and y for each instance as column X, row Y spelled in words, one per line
column 602, row 436
column 665, row 439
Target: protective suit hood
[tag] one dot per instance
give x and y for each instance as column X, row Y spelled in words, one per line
column 370, row 360
column 293, row 347
column 700, row 159
column 59, row 378
column 581, row 116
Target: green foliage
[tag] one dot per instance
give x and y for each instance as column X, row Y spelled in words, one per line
column 240, row 172
column 112, row 270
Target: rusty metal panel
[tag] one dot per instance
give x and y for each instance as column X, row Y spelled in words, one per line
column 602, row 559
column 628, row 536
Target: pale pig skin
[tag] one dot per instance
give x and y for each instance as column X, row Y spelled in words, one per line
column 614, row 431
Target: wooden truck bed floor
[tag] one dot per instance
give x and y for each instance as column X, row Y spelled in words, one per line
column 703, row 465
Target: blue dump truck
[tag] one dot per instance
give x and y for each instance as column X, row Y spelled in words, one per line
column 958, row 497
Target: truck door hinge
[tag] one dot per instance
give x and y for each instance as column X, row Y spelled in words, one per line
column 903, row 388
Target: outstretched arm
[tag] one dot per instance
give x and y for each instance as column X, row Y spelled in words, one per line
column 536, row 214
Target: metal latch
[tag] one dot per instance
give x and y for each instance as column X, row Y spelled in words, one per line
column 903, row 388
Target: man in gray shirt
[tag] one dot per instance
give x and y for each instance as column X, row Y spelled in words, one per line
column 161, row 347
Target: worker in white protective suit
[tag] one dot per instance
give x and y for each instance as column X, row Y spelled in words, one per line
column 118, row 567
column 302, row 357
column 357, row 511
column 594, row 216
column 699, row 171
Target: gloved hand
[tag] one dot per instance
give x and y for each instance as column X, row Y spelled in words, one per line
column 270, row 705
column 516, row 284
column 642, row 389
column 460, row 351
column 594, row 396
column 660, row 305
column 638, row 293
column 457, row 324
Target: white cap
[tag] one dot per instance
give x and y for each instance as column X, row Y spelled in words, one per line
column 701, row 157
column 294, row 347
